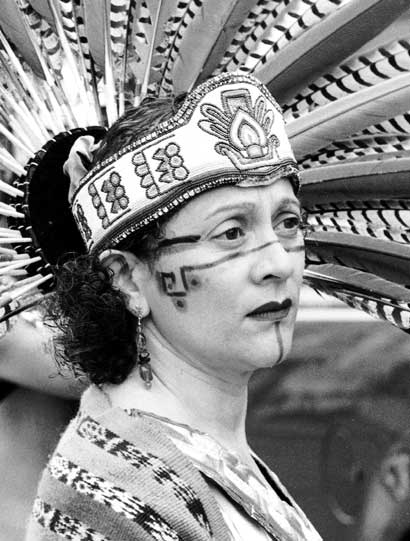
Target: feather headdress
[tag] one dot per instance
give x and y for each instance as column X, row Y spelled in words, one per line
column 339, row 68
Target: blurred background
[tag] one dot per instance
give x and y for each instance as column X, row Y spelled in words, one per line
column 332, row 419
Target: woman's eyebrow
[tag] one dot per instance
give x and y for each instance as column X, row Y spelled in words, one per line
column 245, row 206
column 285, row 204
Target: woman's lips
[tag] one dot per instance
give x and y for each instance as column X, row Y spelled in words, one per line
column 271, row 311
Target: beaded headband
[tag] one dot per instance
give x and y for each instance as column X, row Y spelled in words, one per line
column 229, row 130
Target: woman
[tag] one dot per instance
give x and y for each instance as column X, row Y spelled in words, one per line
column 196, row 257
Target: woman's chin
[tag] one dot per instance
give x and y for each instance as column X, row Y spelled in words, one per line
column 265, row 358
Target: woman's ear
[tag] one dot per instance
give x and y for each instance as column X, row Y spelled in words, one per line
column 395, row 475
column 128, row 277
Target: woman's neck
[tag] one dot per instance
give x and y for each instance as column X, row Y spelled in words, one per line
column 187, row 394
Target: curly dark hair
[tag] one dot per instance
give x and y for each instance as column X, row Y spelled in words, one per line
column 96, row 332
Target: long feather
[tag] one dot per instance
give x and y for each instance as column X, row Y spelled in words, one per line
column 16, row 31
column 385, row 259
column 359, row 282
column 25, row 87
column 356, row 148
column 197, row 37
column 119, row 14
column 386, row 224
column 243, row 42
column 164, row 16
column 83, row 103
column 349, row 114
column 47, row 50
column 109, row 82
column 324, row 45
column 357, row 73
column 130, row 58
column 294, row 20
column 233, row 22
column 379, row 298
column 372, row 179
column 397, row 125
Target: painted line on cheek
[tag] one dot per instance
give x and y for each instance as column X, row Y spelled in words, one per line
column 229, row 257
column 280, row 340
column 187, row 239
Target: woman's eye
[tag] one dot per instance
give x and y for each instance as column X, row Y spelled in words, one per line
column 290, row 225
column 233, row 233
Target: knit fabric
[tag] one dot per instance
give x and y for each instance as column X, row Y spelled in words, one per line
column 117, row 475
column 114, row 477
column 268, row 503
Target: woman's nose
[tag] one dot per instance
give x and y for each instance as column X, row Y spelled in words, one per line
column 272, row 262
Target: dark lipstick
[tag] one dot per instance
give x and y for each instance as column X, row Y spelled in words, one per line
column 272, row 310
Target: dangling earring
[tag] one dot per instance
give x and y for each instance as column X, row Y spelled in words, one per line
column 143, row 356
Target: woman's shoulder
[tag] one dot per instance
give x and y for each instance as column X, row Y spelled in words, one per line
column 112, row 472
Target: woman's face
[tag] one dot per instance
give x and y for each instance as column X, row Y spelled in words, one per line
column 224, row 289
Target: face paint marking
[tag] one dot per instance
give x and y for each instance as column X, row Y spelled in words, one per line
column 179, row 303
column 165, row 243
column 280, row 340
column 195, row 282
column 167, row 282
column 229, row 257
column 174, row 286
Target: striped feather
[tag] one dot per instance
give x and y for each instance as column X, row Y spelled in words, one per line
column 377, row 297
column 243, row 42
column 233, row 22
column 349, row 114
column 388, row 260
column 73, row 26
column 356, row 281
column 341, row 185
column 45, row 36
column 294, row 20
column 163, row 20
column 197, row 39
column 119, row 15
column 179, row 24
column 397, row 125
column 69, row 26
column 387, row 224
column 357, row 148
column 358, row 73
column 379, row 309
column 325, row 44
column 25, row 91
column 139, row 43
